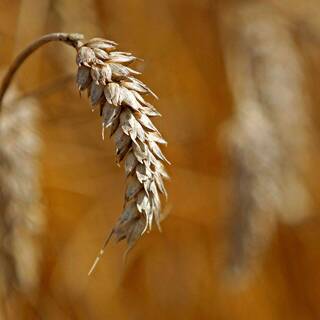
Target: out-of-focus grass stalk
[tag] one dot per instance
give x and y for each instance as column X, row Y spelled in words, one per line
column 269, row 134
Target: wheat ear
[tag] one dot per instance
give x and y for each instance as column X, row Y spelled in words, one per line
column 113, row 88
column 270, row 134
column 111, row 84
column 21, row 218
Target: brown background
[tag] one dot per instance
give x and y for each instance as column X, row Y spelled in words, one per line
column 175, row 274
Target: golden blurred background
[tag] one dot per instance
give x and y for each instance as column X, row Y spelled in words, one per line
column 238, row 87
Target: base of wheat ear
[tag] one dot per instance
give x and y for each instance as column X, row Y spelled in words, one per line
column 112, row 87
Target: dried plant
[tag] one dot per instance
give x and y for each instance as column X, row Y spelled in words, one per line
column 21, row 218
column 111, row 85
column 269, row 136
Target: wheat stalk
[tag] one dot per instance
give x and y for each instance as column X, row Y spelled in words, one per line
column 71, row 39
column 112, row 86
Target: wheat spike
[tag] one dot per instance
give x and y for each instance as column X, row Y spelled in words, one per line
column 270, row 133
column 112, row 86
column 21, row 218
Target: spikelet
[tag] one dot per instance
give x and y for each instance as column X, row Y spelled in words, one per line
column 65, row 15
column 113, row 88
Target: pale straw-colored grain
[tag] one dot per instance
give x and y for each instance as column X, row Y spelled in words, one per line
column 113, row 89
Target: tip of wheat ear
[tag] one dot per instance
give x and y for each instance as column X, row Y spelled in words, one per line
column 111, row 85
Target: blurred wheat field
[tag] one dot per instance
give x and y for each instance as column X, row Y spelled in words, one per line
column 176, row 274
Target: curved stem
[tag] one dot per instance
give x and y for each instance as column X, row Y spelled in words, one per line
column 72, row 39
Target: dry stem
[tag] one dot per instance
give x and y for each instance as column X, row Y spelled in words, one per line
column 72, row 39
